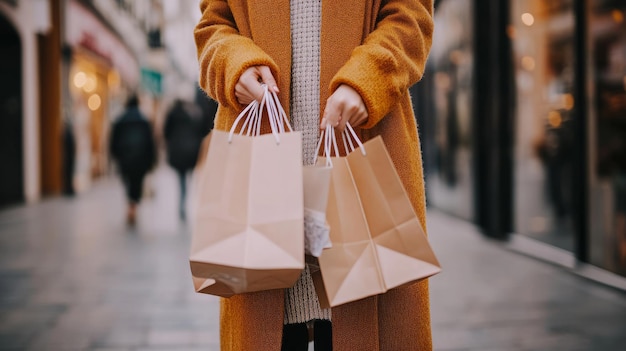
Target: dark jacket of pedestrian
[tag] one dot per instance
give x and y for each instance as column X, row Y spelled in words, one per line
column 183, row 134
column 208, row 107
column 132, row 141
column 133, row 147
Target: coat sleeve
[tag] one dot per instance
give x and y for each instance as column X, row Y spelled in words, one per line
column 391, row 58
column 223, row 53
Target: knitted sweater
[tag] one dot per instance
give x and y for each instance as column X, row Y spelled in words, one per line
column 301, row 302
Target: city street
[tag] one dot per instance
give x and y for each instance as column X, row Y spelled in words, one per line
column 73, row 276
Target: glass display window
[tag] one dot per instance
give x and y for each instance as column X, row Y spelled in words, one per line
column 450, row 178
column 542, row 35
column 607, row 133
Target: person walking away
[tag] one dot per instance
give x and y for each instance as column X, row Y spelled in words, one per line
column 133, row 148
column 208, row 107
column 183, row 134
column 330, row 62
column 69, row 158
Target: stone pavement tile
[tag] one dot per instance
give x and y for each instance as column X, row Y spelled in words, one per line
column 160, row 337
column 175, row 317
column 75, row 329
column 16, row 287
column 511, row 337
column 66, row 341
column 120, row 338
column 15, row 340
column 18, row 327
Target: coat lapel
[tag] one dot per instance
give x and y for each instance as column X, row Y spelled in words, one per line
column 270, row 27
column 343, row 27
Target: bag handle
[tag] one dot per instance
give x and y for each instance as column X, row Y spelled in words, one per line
column 249, row 112
column 279, row 112
column 330, row 145
column 349, row 134
column 328, row 135
column 254, row 112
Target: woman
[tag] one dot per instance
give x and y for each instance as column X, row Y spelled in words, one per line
column 331, row 61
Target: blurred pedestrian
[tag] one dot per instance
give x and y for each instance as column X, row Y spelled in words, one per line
column 183, row 133
column 209, row 109
column 69, row 158
column 339, row 61
column 133, row 148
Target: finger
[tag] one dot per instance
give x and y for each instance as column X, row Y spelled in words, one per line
column 332, row 114
column 267, row 78
column 334, row 122
column 323, row 123
column 358, row 118
column 341, row 125
column 250, row 84
column 243, row 96
column 348, row 115
column 326, row 122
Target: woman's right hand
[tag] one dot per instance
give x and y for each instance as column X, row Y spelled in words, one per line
column 249, row 87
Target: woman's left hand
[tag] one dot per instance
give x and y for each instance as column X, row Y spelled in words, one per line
column 344, row 105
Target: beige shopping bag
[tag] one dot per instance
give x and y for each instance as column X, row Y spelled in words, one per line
column 248, row 223
column 378, row 241
column 316, row 183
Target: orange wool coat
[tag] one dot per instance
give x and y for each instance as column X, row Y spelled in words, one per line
column 379, row 48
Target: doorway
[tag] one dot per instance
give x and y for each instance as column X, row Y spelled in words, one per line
column 11, row 147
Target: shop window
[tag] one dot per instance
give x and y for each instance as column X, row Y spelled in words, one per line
column 542, row 35
column 449, row 138
column 607, row 134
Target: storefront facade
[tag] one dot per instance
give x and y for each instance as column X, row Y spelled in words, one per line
column 101, row 71
column 526, row 131
column 26, row 27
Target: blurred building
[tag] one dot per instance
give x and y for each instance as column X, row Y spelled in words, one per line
column 68, row 67
column 523, row 120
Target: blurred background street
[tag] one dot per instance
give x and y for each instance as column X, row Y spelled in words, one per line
column 522, row 120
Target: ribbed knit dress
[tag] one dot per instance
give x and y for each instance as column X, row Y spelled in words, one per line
column 301, row 302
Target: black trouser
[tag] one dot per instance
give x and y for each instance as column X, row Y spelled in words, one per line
column 182, row 177
column 296, row 336
column 133, row 182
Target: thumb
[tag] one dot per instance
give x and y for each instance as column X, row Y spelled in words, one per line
column 268, row 79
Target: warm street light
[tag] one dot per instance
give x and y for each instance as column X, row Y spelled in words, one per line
column 80, row 78
column 94, row 102
column 528, row 19
column 90, row 85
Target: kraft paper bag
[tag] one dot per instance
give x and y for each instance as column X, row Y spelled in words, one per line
column 378, row 241
column 316, row 182
column 248, row 226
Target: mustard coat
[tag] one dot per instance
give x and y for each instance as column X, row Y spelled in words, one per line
column 377, row 47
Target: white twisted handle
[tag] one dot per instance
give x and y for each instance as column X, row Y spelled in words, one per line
column 254, row 112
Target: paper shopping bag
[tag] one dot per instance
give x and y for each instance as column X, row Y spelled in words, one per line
column 248, row 225
column 378, row 241
column 316, row 183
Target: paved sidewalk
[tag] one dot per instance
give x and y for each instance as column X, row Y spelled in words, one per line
column 74, row 277
column 490, row 299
